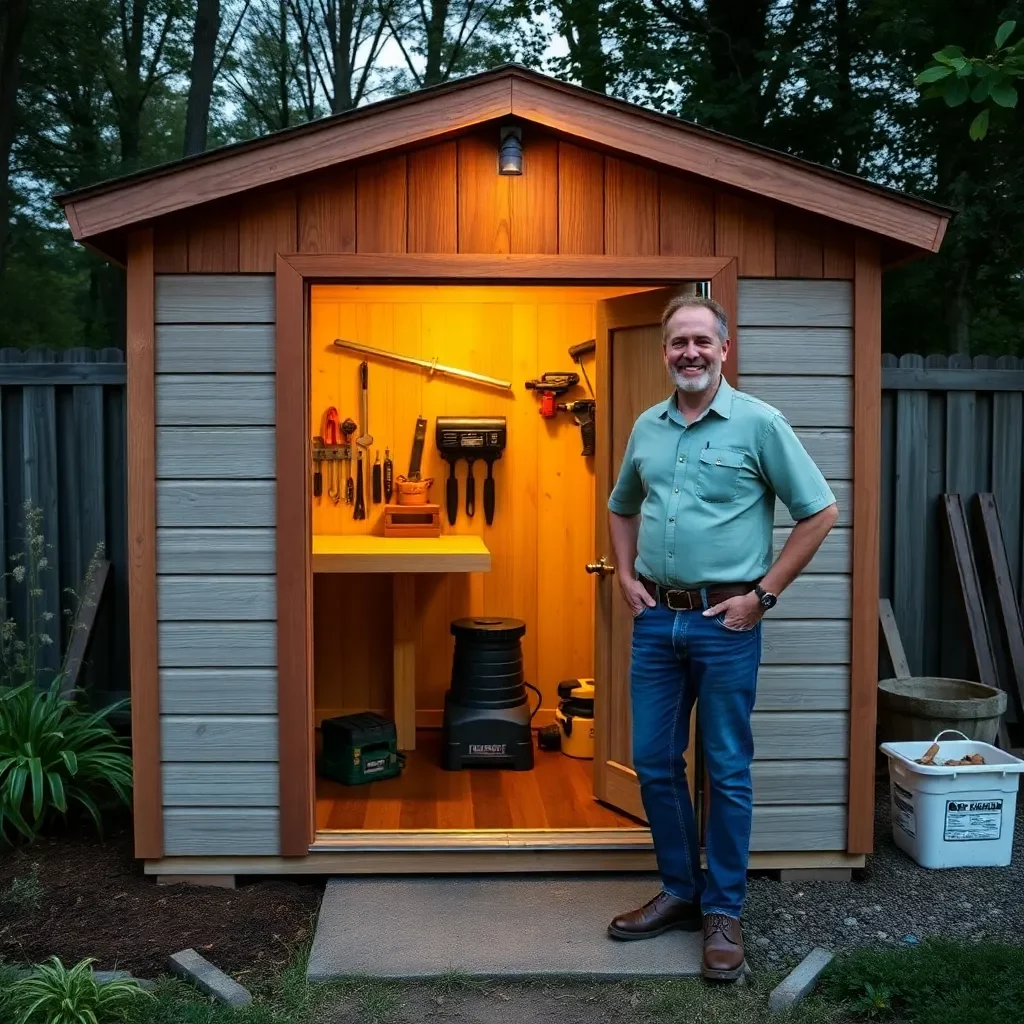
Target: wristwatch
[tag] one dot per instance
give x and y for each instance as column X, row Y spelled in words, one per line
column 767, row 600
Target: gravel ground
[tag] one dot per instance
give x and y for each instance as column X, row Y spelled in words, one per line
column 891, row 902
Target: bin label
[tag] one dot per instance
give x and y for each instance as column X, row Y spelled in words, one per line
column 903, row 807
column 969, row 821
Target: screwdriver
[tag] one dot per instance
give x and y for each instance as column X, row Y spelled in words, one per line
column 376, row 479
column 388, row 474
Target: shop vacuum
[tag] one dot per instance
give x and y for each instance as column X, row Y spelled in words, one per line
column 573, row 730
column 487, row 717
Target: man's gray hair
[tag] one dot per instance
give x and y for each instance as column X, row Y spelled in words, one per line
column 682, row 301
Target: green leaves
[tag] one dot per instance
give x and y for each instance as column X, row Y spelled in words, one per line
column 1004, row 33
column 56, row 994
column 1004, row 94
column 933, row 74
column 979, row 126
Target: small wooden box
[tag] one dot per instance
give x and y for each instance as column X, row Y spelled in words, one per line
column 412, row 520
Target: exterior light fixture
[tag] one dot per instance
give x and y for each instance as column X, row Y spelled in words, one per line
column 510, row 156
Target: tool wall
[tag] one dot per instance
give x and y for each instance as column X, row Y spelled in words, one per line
column 541, row 534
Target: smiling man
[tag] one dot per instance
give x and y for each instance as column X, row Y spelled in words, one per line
column 691, row 524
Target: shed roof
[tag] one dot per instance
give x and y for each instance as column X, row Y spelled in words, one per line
column 99, row 213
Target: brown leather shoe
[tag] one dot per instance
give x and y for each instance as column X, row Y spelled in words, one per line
column 656, row 916
column 723, row 948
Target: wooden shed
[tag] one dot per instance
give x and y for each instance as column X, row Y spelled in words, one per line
column 258, row 609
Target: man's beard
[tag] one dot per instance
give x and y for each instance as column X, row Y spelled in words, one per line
column 693, row 384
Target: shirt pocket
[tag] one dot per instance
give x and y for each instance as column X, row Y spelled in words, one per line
column 718, row 477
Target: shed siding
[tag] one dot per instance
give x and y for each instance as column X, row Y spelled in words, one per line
column 216, row 582
column 795, row 352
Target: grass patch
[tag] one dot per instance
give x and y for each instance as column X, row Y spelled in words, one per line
column 938, row 982
column 25, row 891
column 453, row 982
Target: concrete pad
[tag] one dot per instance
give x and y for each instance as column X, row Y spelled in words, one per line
column 490, row 927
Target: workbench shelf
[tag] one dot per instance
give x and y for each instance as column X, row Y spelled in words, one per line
column 365, row 553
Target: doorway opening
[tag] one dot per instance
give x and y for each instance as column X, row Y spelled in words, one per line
column 384, row 603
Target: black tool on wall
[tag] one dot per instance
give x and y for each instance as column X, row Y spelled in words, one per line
column 471, row 438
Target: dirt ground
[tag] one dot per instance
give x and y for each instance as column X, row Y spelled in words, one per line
column 74, row 896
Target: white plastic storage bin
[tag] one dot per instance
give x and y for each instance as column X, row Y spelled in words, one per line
column 958, row 816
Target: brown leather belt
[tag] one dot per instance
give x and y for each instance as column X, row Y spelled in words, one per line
column 691, row 600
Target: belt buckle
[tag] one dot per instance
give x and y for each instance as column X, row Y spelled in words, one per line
column 685, row 594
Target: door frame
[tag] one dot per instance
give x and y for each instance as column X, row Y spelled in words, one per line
column 294, row 276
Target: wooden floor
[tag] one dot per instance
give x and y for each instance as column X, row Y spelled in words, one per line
column 557, row 794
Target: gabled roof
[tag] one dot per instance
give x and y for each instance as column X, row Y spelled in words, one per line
column 509, row 91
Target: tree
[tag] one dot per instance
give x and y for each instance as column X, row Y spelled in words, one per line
column 200, row 91
column 12, row 32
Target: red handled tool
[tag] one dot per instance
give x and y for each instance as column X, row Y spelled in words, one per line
column 551, row 387
column 331, row 438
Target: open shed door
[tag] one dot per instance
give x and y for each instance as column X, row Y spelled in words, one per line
column 632, row 377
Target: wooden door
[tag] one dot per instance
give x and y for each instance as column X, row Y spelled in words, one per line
column 632, row 378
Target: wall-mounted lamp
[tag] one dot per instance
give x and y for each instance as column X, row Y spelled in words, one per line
column 510, row 156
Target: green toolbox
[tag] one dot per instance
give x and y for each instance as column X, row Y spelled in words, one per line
column 359, row 748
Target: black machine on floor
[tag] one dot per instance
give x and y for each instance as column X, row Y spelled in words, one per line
column 486, row 710
column 470, row 438
column 359, row 748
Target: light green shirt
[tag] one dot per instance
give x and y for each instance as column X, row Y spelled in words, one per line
column 705, row 492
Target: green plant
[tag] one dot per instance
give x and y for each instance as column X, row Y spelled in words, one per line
column 55, row 994
column 875, row 1001
column 955, row 77
column 24, row 891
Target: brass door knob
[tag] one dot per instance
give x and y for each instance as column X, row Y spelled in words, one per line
column 600, row 567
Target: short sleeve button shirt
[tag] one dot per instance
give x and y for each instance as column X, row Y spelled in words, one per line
column 705, row 491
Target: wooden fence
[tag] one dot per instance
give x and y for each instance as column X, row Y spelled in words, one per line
column 62, row 449
column 949, row 425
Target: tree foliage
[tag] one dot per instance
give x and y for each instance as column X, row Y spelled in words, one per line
column 871, row 87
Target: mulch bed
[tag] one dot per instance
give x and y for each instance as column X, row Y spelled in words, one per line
column 96, row 902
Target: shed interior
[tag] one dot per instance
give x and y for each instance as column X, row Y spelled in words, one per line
column 377, row 620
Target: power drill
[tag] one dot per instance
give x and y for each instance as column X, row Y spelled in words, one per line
column 583, row 412
column 551, row 385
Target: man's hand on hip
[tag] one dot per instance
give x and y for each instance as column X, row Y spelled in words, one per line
column 741, row 612
column 636, row 594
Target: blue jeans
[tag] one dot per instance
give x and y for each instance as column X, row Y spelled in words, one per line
column 679, row 658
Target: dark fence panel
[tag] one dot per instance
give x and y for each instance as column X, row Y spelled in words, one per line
column 62, row 448
column 949, row 425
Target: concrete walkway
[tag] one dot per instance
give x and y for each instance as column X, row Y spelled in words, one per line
column 491, row 927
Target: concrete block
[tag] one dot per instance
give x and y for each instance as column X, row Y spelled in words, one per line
column 208, row 979
column 796, row 985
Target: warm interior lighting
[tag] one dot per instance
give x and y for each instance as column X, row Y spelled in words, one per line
column 510, row 156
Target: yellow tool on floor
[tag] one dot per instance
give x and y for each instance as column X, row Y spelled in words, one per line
column 574, row 717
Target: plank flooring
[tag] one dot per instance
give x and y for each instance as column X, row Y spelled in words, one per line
column 556, row 794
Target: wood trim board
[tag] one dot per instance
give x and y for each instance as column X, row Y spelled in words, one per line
column 141, row 453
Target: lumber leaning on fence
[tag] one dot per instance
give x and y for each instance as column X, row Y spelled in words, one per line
column 889, row 637
column 997, row 566
column 972, row 598
column 81, row 631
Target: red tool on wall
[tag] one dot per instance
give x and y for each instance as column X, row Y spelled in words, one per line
column 551, row 387
column 332, row 440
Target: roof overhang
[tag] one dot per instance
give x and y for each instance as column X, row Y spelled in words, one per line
column 111, row 207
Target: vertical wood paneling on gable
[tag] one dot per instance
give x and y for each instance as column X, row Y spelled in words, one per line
column 534, row 198
column 798, row 246
column 267, row 226
column 170, row 246
column 381, row 215
column 213, row 241
column 837, row 245
column 485, row 213
column 580, row 200
column 630, row 209
column 433, row 197
column 745, row 228
column 327, row 212
column 687, row 209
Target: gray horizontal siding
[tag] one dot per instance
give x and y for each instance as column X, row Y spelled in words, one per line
column 202, row 453
column 814, row 597
column 183, row 551
column 213, row 598
column 781, row 829
column 805, row 401
column 215, row 348
column 834, row 555
column 218, row 738
column 769, row 302
column 216, row 503
column 224, row 400
column 806, row 642
column 215, row 298
column 842, row 489
column 798, row 735
column 812, row 782
column 220, row 784
column 216, row 563
column 219, row 691
column 796, row 350
column 227, row 831
column 803, row 688
column 830, row 448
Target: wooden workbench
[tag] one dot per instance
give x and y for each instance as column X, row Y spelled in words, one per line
column 403, row 558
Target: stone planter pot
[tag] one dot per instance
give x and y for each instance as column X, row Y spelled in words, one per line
column 921, row 707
